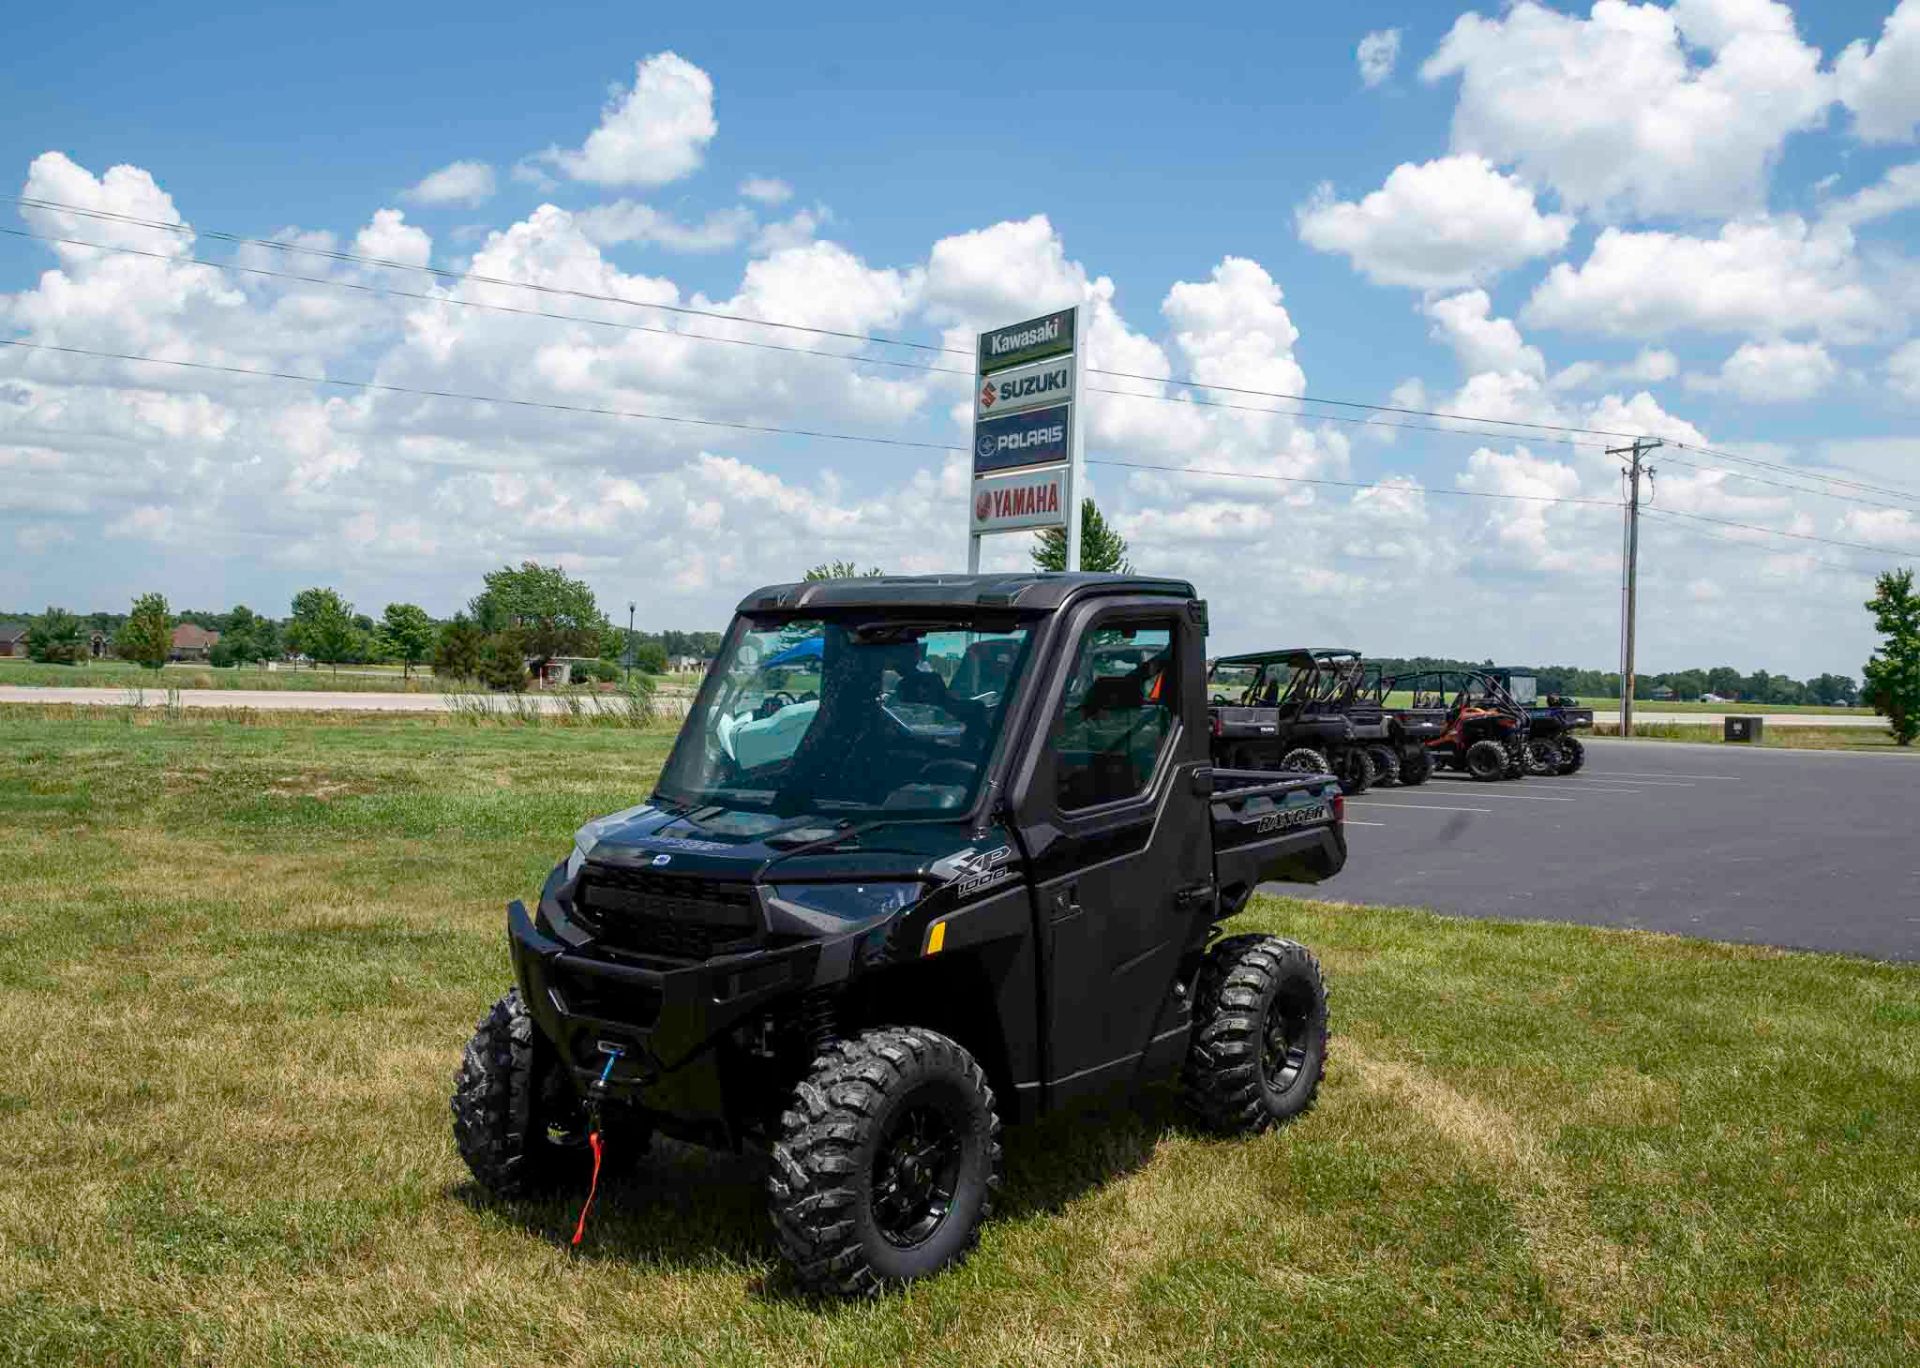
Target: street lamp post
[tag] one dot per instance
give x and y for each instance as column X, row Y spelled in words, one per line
column 630, row 607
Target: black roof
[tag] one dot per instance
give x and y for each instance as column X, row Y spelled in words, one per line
column 1022, row 589
column 1292, row 655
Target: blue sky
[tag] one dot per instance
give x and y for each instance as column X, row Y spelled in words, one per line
column 1159, row 153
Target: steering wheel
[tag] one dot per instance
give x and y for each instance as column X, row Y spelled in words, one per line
column 957, row 772
column 772, row 703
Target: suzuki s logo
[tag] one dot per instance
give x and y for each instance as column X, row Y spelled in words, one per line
column 987, row 395
column 661, row 859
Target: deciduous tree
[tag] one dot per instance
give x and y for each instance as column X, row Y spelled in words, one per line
column 322, row 627
column 842, row 569
column 1893, row 674
column 54, row 638
column 456, row 655
column 147, row 635
column 407, row 635
column 550, row 613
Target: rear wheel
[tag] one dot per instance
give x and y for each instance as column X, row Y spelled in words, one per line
column 1486, row 760
column 886, row 1162
column 1386, row 765
column 1572, row 754
column 1416, row 764
column 1307, row 760
column 1260, row 1035
column 517, row 1119
column 1356, row 771
column 1543, row 756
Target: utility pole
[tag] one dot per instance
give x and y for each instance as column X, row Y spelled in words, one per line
column 1630, row 578
column 631, row 605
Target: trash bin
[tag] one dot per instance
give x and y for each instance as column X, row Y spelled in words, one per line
column 1745, row 729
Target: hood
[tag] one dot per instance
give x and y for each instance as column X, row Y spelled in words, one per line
column 734, row 844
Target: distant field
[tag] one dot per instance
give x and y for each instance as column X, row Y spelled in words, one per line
column 1598, row 704
column 238, row 960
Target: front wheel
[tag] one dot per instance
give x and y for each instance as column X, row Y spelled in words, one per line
column 1543, row 756
column 1260, row 1035
column 1306, row 760
column 1486, row 760
column 1356, row 771
column 1386, row 765
column 517, row 1119
column 886, row 1162
column 1572, row 754
column 1416, row 764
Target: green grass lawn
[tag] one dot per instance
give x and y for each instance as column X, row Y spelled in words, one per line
column 238, row 962
column 1775, row 738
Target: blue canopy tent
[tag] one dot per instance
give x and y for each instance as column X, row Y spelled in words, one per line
column 813, row 648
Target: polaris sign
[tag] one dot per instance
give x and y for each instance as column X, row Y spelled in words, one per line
column 1036, row 437
column 1051, row 335
column 1025, row 387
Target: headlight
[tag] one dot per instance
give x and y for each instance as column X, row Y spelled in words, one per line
column 850, row 902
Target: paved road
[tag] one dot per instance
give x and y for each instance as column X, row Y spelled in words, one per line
column 317, row 700
column 302, row 700
column 1817, row 849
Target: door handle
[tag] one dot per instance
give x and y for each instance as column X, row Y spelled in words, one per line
column 1192, row 896
column 1065, row 902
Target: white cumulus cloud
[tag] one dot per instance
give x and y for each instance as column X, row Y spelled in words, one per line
column 1635, row 108
column 1880, row 82
column 1377, row 55
column 656, row 132
column 1903, row 370
column 1756, row 276
column 469, row 183
column 631, row 221
column 1436, row 225
column 1773, row 372
column 1482, row 342
column 766, row 190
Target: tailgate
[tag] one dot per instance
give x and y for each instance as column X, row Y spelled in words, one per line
column 1275, row 826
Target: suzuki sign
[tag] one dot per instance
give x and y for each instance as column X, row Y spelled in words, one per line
column 1024, row 387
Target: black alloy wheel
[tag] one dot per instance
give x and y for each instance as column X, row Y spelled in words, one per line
column 915, row 1171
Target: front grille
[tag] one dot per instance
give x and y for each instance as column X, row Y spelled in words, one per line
column 668, row 916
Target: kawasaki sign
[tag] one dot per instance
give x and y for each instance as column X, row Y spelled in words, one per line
column 1051, row 335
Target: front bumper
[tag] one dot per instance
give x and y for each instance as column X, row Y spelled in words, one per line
column 672, row 1026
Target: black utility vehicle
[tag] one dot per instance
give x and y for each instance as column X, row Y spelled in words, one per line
column 1552, row 719
column 1463, row 719
column 979, row 875
column 1300, row 709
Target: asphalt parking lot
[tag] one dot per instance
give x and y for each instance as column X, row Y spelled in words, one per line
column 1814, row 849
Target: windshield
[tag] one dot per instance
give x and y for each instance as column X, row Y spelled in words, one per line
column 1229, row 683
column 1524, row 688
column 842, row 716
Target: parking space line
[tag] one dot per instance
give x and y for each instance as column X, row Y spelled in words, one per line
column 1355, row 822
column 1637, row 783
column 1524, row 797
column 1669, row 774
column 1416, row 807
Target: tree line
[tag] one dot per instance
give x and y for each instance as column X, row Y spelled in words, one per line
column 1724, row 681
column 523, row 617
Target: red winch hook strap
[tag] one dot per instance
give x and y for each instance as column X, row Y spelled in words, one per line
column 580, row 1230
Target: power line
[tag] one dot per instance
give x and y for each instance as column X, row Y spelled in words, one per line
column 762, row 428
column 1804, row 474
column 1703, row 535
column 1355, row 484
column 393, row 292
column 1796, row 489
column 1357, row 404
column 381, row 387
column 354, row 258
column 335, row 254
column 1797, row 536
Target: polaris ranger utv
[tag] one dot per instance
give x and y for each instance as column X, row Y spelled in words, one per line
column 1298, row 709
column 978, row 874
column 1552, row 747
column 1462, row 718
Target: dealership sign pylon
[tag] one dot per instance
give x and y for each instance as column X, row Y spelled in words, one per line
column 1027, row 433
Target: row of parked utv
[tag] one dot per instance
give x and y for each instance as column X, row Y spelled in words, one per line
column 1324, row 710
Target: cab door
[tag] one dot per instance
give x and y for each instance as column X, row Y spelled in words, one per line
column 1121, row 845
